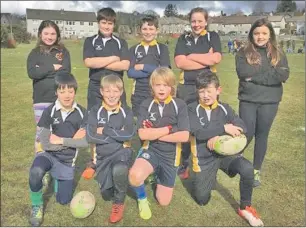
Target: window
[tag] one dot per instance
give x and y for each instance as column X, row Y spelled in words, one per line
column 90, row 23
column 81, row 22
column 35, row 30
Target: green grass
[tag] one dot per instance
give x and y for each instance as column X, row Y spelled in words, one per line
column 280, row 200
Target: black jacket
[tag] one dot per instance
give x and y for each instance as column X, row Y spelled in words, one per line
column 265, row 85
column 41, row 70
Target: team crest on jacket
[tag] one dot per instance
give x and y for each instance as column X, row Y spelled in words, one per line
column 98, row 47
column 152, row 117
column 139, row 55
column 59, row 56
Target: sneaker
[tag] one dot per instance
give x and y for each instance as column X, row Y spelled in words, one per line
column 144, row 209
column 183, row 172
column 256, row 182
column 46, row 182
column 117, row 213
column 37, row 214
column 250, row 214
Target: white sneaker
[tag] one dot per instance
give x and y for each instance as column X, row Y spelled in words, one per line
column 250, row 214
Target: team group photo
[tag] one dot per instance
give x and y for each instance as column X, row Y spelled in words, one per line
column 190, row 117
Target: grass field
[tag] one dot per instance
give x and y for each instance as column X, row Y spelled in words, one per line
column 280, row 200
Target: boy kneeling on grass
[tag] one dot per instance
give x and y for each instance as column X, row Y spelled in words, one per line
column 62, row 132
column 210, row 119
column 111, row 127
column 164, row 124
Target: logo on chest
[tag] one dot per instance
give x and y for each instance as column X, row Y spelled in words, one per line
column 139, row 55
column 202, row 121
column 98, row 47
column 59, row 56
column 188, row 43
column 152, row 117
column 55, row 120
column 102, row 120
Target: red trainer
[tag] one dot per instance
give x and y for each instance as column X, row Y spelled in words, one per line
column 117, row 213
column 88, row 173
column 184, row 174
column 250, row 214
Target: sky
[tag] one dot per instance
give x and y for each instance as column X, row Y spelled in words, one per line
column 214, row 7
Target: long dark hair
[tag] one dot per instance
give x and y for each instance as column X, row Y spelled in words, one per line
column 40, row 44
column 273, row 52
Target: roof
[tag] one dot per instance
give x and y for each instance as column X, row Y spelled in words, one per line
column 64, row 15
column 275, row 18
column 295, row 19
column 172, row 20
column 228, row 20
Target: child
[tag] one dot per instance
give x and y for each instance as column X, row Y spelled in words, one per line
column 262, row 68
column 62, row 132
column 146, row 56
column 103, row 54
column 110, row 127
column 194, row 52
column 164, row 124
column 47, row 59
column 210, row 119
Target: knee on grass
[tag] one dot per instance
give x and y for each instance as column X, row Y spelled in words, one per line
column 202, row 200
column 36, row 176
column 63, row 199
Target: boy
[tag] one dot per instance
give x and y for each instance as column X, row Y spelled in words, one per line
column 103, row 54
column 110, row 127
column 210, row 119
column 145, row 57
column 164, row 124
column 62, row 132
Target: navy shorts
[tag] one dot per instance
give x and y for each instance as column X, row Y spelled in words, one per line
column 164, row 170
column 58, row 171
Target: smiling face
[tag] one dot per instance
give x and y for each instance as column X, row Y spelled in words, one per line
column 148, row 32
column 111, row 95
column 209, row 94
column 66, row 96
column 48, row 36
column 161, row 90
column 198, row 23
column 106, row 27
column 261, row 35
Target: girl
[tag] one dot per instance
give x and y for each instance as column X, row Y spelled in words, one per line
column 194, row 52
column 261, row 68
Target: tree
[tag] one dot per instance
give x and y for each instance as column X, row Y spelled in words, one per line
column 259, row 8
column 170, row 10
column 286, row 6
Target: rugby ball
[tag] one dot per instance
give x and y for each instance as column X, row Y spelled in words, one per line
column 82, row 204
column 228, row 145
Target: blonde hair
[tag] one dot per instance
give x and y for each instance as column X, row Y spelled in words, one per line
column 166, row 75
column 112, row 80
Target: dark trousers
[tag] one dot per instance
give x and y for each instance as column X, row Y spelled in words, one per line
column 40, row 166
column 258, row 119
column 203, row 181
column 136, row 99
column 94, row 95
column 188, row 93
column 120, row 184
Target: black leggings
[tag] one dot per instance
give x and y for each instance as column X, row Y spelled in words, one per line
column 258, row 119
column 120, row 184
column 40, row 166
column 203, row 181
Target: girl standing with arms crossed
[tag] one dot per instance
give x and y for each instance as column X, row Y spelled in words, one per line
column 43, row 63
column 262, row 68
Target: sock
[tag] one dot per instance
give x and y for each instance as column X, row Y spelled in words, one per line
column 36, row 198
column 140, row 192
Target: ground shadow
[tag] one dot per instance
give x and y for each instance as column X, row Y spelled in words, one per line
column 227, row 195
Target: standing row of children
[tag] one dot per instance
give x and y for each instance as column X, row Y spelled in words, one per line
column 166, row 125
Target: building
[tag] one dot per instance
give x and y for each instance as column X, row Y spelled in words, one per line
column 173, row 25
column 278, row 22
column 7, row 18
column 232, row 24
column 296, row 24
column 71, row 23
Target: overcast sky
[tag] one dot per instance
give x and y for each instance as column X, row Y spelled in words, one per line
column 183, row 7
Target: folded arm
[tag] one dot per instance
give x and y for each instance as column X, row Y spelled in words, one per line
column 44, row 137
column 184, row 63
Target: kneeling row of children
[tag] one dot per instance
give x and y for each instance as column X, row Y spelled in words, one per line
column 163, row 123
